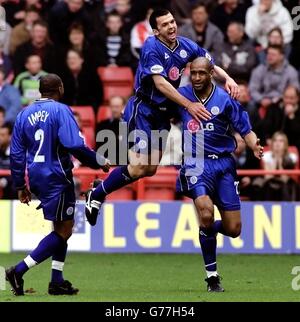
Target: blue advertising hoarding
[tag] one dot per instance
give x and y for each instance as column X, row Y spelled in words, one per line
column 172, row 227
column 156, row 227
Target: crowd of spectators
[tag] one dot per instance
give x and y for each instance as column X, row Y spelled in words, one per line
column 256, row 41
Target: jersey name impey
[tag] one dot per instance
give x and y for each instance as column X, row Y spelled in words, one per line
column 40, row 116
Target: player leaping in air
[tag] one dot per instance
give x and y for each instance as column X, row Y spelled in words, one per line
column 44, row 137
column 163, row 59
column 216, row 181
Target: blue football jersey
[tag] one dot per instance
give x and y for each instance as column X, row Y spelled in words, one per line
column 213, row 137
column 158, row 59
column 44, row 134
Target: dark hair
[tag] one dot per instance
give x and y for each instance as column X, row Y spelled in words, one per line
column 76, row 26
column 276, row 47
column 294, row 88
column 276, row 29
column 2, row 110
column 32, row 9
column 78, row 52
column 49, row 84
column 113, row 13
column 9, row 126
column 156, row 14
column 199, row 4
column 242, row 82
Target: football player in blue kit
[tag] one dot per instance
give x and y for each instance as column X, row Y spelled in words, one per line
column 163, row 59
column 44, row 137
column 208, row 174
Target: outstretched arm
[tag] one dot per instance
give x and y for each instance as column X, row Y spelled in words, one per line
column 230, row 85
column 197, row 110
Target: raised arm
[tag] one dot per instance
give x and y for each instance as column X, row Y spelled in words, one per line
column 197, row 110
column 230, row 85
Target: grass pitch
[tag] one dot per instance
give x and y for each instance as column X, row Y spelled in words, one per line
column 162, row 278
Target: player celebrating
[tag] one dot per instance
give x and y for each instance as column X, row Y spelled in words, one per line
column 216, row 183
column 163, row 59
column 44, row 135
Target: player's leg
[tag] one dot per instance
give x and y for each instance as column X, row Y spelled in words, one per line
column 228, row 200
column 47, row 247
column 143, row 159
column 58, row 285
column 44, row 250
column 231, row 223
column 139, row 167
column 208, row 241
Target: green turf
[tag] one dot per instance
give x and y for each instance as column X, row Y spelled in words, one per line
column 163, row 278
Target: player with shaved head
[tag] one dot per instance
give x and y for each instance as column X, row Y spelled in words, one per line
column 212, row 178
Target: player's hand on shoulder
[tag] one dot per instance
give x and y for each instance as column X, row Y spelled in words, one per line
column 198, row 111
column 24, row 195
column 258, row 150
column 232, row 88
column 106, row 165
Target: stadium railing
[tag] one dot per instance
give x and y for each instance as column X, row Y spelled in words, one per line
column 161, row 186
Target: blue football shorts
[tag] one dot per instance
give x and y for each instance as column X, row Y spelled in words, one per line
column 144, row 125
column 218, row 180
column 61, row 207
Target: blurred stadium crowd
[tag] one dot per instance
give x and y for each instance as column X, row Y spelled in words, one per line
column 94, row 47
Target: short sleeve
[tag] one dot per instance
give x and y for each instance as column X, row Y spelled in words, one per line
column 238, row 117
column 152, row 64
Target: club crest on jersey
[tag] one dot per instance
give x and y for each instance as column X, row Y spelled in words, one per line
column 70, row 211
column 193, row 180
column 142, row 144
column 193, row 126
column 215, row 110
column 183, row 53
column 174, row 73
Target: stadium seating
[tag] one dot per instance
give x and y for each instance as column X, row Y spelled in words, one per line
column 103, row 113
column 87, row 115
column 89, row 136
column 126, row 193
column 158, row 187
column 85, row 181
column 116, row 81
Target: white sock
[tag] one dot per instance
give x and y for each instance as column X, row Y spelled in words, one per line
column 211, row 273
column 29, row 261
column 59, row 266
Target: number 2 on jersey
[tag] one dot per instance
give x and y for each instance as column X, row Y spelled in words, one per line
column 39, row 136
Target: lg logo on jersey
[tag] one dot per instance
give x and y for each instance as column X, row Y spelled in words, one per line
column 193, row 126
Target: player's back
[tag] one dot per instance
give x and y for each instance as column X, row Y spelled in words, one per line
column 48, row 162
